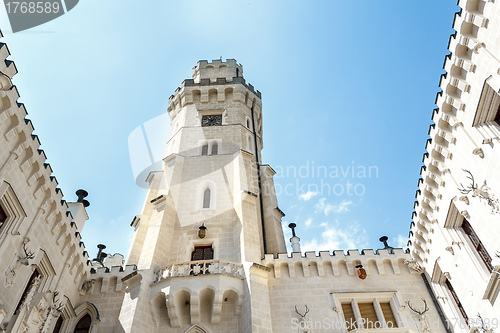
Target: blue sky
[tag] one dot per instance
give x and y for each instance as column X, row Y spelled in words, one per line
column 345, row 84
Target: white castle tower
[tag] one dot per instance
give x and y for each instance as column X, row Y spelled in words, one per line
column 213, row 201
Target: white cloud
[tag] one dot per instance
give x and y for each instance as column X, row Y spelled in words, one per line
column 326, row 208
column 308, row 196
column 308, row 222
column 400, row 241
column 338, row 237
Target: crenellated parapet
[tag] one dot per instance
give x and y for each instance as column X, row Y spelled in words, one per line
column 338, row 263
column 453, row 103
column 103, row 280
column 37, row 202
column 215, row 82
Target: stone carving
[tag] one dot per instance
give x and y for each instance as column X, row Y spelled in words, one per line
column 413, row 264
column 31, row 291
column 86, row 286
column 481, row 192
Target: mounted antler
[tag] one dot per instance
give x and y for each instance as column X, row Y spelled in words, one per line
column 56, row 305
column 469, row 188
column 28, row 253
column 426, row 308
column 303, row 316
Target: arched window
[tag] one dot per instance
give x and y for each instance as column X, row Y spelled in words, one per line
column 206, row 198
column 58, row 326
column 204, row 149
column 84, row 324
column 215, row 148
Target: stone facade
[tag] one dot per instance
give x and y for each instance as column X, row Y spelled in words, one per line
column 209, row 254
column 455, row 234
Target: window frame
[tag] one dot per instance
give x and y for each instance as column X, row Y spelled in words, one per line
column 13, row 210
column 487, row 116
column 375, row 298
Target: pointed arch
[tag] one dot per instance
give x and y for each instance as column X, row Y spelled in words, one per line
column 197, row 329
column 85, row 312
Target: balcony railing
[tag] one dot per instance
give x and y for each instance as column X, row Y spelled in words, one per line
column 200, row 267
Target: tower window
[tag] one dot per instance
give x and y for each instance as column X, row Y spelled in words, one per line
column 204, row 149
column 84, row 324
column 202, row 253
column 215, row 148
column 206, row 198
column 248, row 123
column 481, row 250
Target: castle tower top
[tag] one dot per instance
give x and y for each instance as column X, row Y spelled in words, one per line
column 217, row 69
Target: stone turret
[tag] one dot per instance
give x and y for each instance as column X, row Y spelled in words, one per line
column 217, row 69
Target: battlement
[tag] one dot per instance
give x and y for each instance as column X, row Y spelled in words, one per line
column 29, row 161
column 217, row 69
column 378, row 262
column 190, row 89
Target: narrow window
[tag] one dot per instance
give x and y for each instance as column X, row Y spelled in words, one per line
column 84, row 324
column 457, row 301
column 32, row 285
column 481, row 250
column 237, row 72
column 369, row 315
column 3, row 217
column 350, row 320
column 248, row 123
column 390, row 320
column 497, row 117
column 204, row 149
column 206, row 198
column 215, row 149
column 202, row 253
column 57, row 328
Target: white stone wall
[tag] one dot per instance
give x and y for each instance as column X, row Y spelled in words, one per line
column 464, row 136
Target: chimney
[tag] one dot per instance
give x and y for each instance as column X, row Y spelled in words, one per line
column 77, row 209
column 294, row 240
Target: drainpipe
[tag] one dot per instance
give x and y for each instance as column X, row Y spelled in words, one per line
column 436, row 304
column 259, row 180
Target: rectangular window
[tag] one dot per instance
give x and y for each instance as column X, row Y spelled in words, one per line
column 202, row 253
column 457, row 300
column 368, row 315
column 481, row 250
column 350, row 319
column 368, row 310
column 388, row 315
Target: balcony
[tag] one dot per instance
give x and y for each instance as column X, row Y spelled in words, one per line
column 200, row 267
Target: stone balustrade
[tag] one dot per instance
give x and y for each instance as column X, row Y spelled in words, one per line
column 200, row 267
